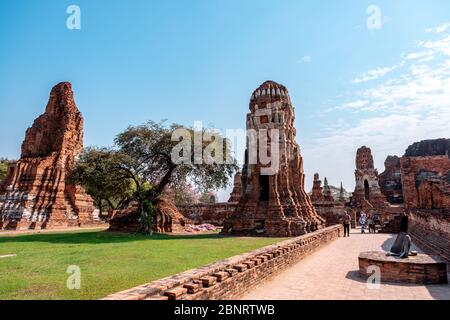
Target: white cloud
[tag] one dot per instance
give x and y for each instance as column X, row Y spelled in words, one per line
column 411, row 105
column 374, row 74
column 355, row 105
column 305, row 59
column 439, row 29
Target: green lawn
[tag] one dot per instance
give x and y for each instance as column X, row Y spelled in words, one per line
column 108, row 262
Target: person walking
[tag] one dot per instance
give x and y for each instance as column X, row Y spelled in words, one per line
column 363, row 221
column 347, row 219
column 370, row 222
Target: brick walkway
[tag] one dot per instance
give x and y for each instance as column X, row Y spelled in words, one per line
column 332, row 274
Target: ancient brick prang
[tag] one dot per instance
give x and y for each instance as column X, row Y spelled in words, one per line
column 327, row 194
column 273, row 203
column 236, row 194
column 367, row 187
column 35, row 193
column 323, row 201
column 391, row 180
column 317, row 191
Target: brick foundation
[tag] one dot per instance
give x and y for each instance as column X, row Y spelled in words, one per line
column 233, row 277
column 421, row 269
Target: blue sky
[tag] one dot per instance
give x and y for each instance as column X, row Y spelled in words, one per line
column 133, row 61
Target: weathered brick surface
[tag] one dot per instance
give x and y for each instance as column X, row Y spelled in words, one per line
column 425, row 169
column 430, row 229
column 205, row 213
column 167, row 218
column 421, row 269
column 425, row 182
column 277, row 258
column 273, row 204
column 367, row 189
column 317, row 190
column 176, row 293
column 391, row 180
column 35, row 193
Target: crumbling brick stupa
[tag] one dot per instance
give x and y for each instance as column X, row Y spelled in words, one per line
column 324, row 203
column 35, row 193
column 367, row 190
column 317, row 190
column 273, row 204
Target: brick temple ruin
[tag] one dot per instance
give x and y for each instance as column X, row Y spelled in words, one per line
column 425, row 169
column 325, row 204
column 418, row 183
column 214, row 213
column 391, row 180
column 273, row 204
column 367, row 189
column 35, row 193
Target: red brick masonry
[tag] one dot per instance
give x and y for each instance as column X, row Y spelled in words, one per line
column 231, row 278
column 421, row 269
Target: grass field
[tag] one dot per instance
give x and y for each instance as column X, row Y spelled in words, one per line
column 108, row 262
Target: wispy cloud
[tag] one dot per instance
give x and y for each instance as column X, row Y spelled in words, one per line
column 439, row 29
column 305, row 59
column 409, row 105
column 374, row 74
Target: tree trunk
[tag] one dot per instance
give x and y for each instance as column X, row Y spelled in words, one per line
column 143, row 217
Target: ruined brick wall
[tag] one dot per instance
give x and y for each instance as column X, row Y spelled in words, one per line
column 426, row 182
column 425, row 171
column 214, row 214
column 35, row 193
column 391, row 180
column 232, row 278
column 431, row 231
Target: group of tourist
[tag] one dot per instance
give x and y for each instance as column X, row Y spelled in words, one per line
column 369, row 220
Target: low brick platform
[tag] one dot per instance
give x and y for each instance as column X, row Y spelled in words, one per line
column 233, row 277
column 420, row 269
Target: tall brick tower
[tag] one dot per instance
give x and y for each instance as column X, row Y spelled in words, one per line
column 367, row 189
column 273, row 203
column 35, row 193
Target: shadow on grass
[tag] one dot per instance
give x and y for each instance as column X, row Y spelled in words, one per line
column 101, row 237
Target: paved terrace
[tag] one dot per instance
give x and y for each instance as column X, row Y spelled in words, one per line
column 332, row 274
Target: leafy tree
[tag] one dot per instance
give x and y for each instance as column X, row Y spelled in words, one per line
column 95, row 170
column 4, row 163
column 144, row 155
column 208, row 197
column 181, row 195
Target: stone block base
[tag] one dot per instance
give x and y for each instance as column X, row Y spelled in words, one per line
column 420, row 269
